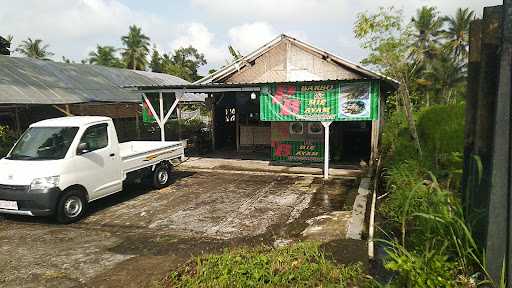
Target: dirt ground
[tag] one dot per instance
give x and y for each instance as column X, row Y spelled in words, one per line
column 133, row 238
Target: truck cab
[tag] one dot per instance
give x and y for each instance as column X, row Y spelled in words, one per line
column 60, row 165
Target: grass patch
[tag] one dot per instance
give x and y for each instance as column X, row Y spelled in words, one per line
column 298, row 265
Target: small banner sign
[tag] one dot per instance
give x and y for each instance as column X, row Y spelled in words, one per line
column 327, row 101
column 297, row 142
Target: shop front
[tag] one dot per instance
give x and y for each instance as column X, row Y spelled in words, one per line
column 317, row 122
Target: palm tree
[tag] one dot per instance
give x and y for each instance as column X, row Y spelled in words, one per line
column 136, row 49
column 105, row 56
column 427, row 25
column 34, row 49
column 457, row 33
column 446, row 77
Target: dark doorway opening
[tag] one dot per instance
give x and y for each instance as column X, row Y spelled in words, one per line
column 225, row 121
column 350, row 142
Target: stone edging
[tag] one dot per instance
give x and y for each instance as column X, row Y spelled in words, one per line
column 356, row 224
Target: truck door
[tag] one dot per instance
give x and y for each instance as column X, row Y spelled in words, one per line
column 99, row 163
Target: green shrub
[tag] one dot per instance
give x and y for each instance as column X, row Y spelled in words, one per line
column 297, row 265
column 7, row 139
column 407, row 194
column 441, row 132
column 187, row 128
column 397, row 144
column 430, row 244
column 429, row 269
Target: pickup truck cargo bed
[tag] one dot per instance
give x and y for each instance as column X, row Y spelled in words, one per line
column 138, row 154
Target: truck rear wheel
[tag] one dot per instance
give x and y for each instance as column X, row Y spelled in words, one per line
column 71, row 207
column 161, row 176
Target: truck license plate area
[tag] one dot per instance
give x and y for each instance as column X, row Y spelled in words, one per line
column 12, row 205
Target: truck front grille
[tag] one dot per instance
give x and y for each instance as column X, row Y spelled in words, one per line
column 13, row 188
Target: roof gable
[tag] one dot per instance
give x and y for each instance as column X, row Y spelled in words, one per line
column 288, row 59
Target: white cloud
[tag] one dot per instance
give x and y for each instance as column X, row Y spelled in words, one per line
column 321, row 11
column 198, row 35
column 279, row 11
column 71, row 26
column 250, row 36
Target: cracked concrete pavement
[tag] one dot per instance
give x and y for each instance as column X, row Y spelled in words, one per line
column 134, row 237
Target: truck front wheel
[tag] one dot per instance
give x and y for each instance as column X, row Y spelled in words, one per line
column 161, row 176
column 71, row 207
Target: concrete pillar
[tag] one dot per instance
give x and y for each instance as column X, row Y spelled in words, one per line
column 161, row 116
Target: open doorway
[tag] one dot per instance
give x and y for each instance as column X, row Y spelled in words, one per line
column 350, row 142
column 225, row 121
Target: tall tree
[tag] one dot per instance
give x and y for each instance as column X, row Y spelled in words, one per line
column 156, row 61
column 446, row 77
column 388, row 42
column 427, row 26
column 105, row 56
column 34, row 49
column 457, row 34
column 5, row 45
column 184, row 63
column 136, row 49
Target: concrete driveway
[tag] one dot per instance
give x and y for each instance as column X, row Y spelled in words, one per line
column 135, row 237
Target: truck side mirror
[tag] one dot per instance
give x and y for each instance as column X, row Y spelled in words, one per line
column 82, row 148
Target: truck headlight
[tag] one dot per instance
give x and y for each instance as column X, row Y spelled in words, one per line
column 44, row 183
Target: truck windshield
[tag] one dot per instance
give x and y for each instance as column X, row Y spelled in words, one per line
column 43, row 143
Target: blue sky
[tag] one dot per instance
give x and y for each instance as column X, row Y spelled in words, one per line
column 72, row 28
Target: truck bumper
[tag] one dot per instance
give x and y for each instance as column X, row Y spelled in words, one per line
column 39, row 202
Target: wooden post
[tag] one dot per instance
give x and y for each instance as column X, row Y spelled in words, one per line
column 137, row 124
column 237, row 122
column 18, row 124
column 326, row 149
column 469, row 181
column 499, row 243
column 178, row 114
column 485, row 118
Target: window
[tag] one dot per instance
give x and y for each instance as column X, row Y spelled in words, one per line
column 44, row 143
column 230, row 115
column 96, row 137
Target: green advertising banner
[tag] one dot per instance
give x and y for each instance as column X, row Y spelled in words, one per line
column 297, row 142
column 328, row 101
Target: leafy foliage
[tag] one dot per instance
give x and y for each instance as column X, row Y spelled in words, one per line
column 5, row 45
column 427, row 30
column 184, row 63
column 298, row 265
column 156, row 61
column 105, row 56
column 421, row 270
column 442, row 142
column 7, row 140
column 136, row 49
column 34, row 49
column 457, row 33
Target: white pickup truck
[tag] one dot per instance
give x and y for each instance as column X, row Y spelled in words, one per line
column 60, row 165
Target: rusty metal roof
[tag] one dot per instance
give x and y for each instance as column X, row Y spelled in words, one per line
column 31, row 81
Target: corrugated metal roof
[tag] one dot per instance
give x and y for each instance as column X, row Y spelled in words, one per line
column 31, row 81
